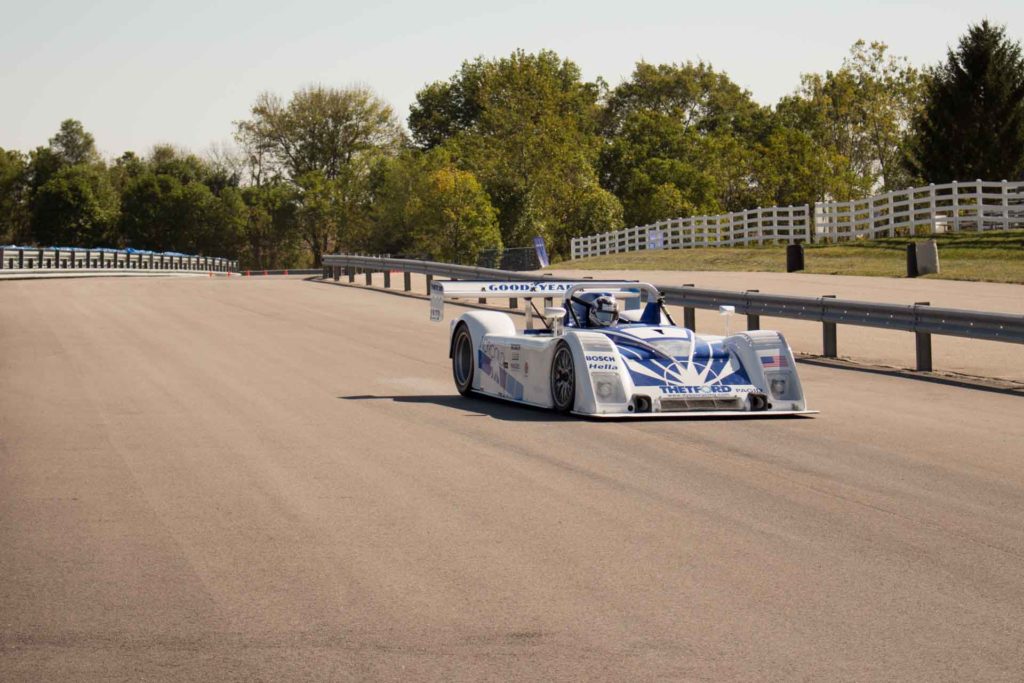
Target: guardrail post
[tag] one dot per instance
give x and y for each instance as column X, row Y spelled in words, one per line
column 407, row 281
column 21, row 258
column 924, row 343
column 387, row 279
column 1, row 258
column 753, row 319
column 690, row 315
column 369, row 278
column 351, row 272
column 828, row 335
column 336, row 272
column 430, row 281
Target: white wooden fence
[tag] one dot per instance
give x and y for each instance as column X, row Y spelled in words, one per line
column 952, row 207
column 755, row 226
column 978, row 205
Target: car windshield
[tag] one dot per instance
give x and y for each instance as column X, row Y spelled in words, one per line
column 673, row 347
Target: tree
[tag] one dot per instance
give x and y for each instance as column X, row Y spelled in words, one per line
column 972, row 125
column 13, row 197
column 792, row 169
column 320, row 130
column 174, row 201
column 146, row 222
column 395, row 182
column 326, row 142
column 454, row 218
column 76, row 207
column 526, row 127
column 694, row 95
column 225, row 231
column 680, row 140
column 444, row 109
column 320, row 213
column 270, row 235
column 126, row 167
column 73, row 144
column 860, row 116
column 71, row 199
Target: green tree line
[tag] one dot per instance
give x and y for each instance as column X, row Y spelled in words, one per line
column 513, row 147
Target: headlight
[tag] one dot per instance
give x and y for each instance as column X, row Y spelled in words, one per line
column 608, row 387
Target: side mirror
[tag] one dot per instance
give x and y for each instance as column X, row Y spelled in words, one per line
column 725, row 312
column 553, row 316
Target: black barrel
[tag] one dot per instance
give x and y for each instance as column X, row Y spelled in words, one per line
column 912, row 260
column 794, row 258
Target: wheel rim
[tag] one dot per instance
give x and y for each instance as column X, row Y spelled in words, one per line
column 563, row 381
column 463, row 359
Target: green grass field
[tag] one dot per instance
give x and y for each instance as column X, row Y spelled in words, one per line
column 987, row 257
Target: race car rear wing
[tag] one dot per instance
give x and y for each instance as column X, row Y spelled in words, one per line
column 440, row 290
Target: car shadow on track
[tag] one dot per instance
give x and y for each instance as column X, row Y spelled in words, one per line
column 486, row 406
column 475, row 406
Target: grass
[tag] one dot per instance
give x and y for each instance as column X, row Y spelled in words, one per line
column 986, row 257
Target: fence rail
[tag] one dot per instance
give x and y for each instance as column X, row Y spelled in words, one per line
column 756, row 226
column 932, row 209
column 921, row 319
column 34, row 258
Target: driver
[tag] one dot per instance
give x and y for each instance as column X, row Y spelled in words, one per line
column 603, row 311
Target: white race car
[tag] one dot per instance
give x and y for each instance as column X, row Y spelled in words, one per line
column 612, row 350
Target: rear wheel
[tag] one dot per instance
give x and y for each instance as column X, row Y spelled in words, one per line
column 462, row 360
column 563, row 379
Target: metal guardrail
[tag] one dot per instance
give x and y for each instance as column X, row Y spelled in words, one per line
column 920, row 318
column 255, row 272
column 63, row 258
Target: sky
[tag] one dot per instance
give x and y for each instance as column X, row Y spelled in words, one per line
column 140, row 73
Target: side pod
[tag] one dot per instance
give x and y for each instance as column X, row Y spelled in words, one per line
column 769, row 363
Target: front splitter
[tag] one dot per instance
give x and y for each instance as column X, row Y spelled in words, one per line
column 750, row 414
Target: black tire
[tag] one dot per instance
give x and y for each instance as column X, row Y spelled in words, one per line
column 563, row 379
column 463, row 362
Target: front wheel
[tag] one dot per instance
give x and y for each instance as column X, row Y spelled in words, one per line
column 462, row 360
column 563, row 379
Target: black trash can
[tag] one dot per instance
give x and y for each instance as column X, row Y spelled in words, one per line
column 794, row 258
column 912, row 260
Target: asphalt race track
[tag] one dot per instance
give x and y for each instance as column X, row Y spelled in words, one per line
column 274, row 479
